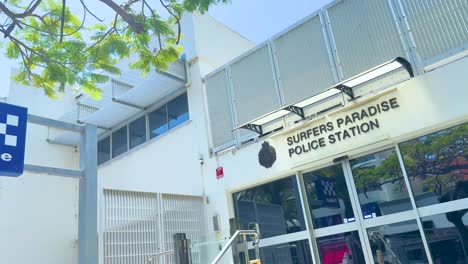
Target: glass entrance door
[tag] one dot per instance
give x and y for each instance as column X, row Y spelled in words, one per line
column 332, row 212
column 387, row 217
column 404, row 204
column 361, row 212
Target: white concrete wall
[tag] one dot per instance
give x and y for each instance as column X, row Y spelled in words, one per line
column 39, row 212
column 38, row 219
column 171, row 163
column 216, row 44
column 202, row 38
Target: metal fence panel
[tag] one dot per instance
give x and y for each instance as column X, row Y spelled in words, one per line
column 182, row 214
column 439, row 27
column 85, row 111
column 219, row 109
column 130, row 227
column 304, row 66
column 365, row 34
column 138, row 225
column 119, row 88
column 177, row 69
column 254, row 85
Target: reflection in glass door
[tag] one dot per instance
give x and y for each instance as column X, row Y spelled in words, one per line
column 397, row 243
column 343, row 248
column 328, row 197
column 385, row 209
column 361, row 212
column 333, row 215
column 295, row 252
column 380, row 185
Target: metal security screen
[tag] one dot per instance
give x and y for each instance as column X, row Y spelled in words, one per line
column 304, row 65
column 138, row 225
column 364, row 33
column 219, row 109
column 252, row 77
column 439, row 27
column 182, row 214
column 131, row 233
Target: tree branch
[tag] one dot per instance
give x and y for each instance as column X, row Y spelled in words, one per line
column 127, row 17
column 62, row 21
column 14, row 16
column 87, row 10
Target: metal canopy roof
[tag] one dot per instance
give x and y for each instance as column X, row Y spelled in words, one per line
column 116, row 107
column 344, row 87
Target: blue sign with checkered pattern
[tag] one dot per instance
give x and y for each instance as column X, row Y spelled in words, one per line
column 326, row 191
column 13, row 122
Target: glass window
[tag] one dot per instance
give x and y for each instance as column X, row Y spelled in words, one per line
column 437, row 165
column 178, row 110
column 158, row 121
column 328, row 197
column 297, row 252
column 447, row 236
column 397, row 243
column 380, row 184
column 137, row 130
column 119, row 142
column 274, row 206
column 341, row 249
column 103, row 150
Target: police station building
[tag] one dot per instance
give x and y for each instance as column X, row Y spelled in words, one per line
column 344, row 139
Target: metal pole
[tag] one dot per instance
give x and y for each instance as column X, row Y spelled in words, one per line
column 182, row 249
column 87, row 214
column 53, row 171
column 43, row 121
column 231, row 240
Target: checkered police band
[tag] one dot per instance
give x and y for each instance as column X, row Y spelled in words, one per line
column 5, row 138
column 329, row 189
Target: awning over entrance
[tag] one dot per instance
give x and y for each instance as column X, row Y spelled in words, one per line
column 345, row 87
column 123, row 97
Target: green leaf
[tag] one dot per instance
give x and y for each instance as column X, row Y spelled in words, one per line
column 92, row 90
column 99, row 78
column 50, row 61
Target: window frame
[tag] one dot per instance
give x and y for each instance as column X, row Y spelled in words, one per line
column 126, row 140
column 145, row 113
column 145, row 129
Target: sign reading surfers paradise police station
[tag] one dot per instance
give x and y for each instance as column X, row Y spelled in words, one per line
column 13, row 120
column 349, row 128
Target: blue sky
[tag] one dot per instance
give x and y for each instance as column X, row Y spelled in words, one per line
column 257, row 20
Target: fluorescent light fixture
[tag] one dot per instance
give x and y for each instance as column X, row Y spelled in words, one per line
column 379, row 71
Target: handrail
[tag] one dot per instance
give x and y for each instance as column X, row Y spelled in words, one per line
column 380, row 236
column 150, row 259
column 231, row 240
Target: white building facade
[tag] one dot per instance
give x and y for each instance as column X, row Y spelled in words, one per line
column 335, row 157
